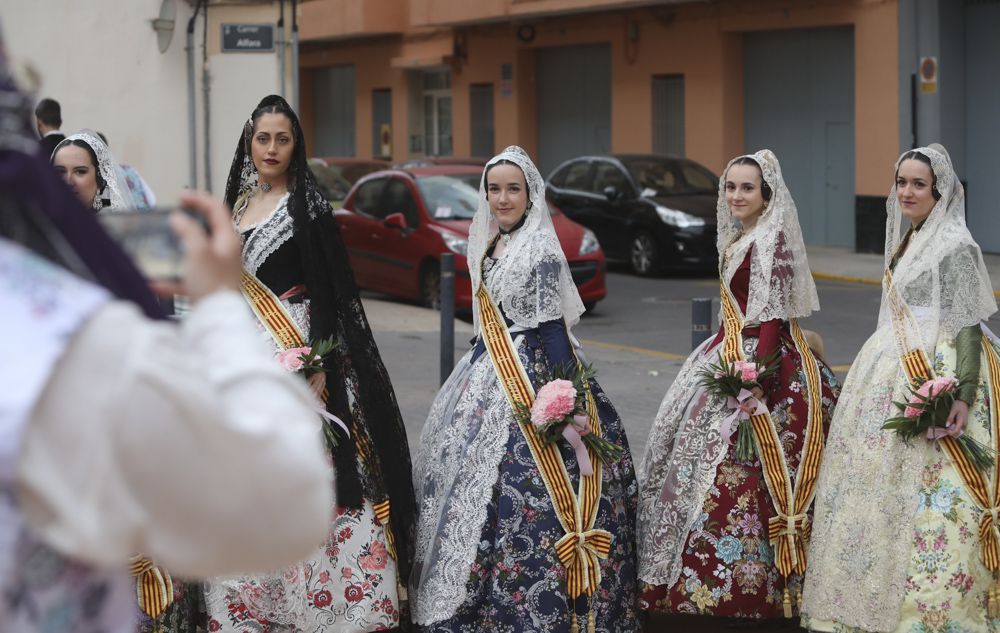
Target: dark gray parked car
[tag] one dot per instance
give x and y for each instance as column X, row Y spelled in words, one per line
column 656, row 212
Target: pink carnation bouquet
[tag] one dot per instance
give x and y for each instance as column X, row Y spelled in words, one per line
column 925, row 414
column 560, row 410
column 733, row 384
column 307, row 359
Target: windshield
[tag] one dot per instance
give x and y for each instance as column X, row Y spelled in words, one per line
column 666, row 177
column 448, row 197
column 332, row 184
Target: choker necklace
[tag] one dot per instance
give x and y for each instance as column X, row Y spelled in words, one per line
column 505, row 234
column 265, row 187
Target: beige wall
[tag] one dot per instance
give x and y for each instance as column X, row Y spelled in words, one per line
column 437, row 12
column 119, row 84
column 331, row 19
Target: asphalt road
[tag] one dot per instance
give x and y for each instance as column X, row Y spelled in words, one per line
column 636, row 339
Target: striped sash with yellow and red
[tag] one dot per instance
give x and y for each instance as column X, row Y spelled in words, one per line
column 789, row 529
column 582, row 546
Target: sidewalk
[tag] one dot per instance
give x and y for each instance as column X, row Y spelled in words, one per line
column 843, row 264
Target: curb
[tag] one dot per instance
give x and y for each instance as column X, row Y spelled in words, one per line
column 847, row 279
column 868, row 281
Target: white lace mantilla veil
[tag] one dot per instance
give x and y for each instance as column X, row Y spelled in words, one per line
column 533, row 251
column 868, row 486
column 781, row 284
column 943, row 253
column 685, row 446
column 466, row 434
column 116, row 189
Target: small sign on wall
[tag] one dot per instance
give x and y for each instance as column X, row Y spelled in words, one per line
column 385, row 140
column 247, row 38
column 928, row 75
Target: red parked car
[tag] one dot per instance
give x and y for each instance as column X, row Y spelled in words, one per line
column 396, row 223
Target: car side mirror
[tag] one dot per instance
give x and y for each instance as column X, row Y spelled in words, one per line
column 611, row 193
column 395, row 221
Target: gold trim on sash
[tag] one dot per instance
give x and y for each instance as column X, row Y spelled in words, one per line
column 918, row 370
column 582, row 546
column 789, row 529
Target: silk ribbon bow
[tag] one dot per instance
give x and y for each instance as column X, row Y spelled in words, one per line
column 574, row 432
column 579, row 553
column 154, row 588
column 744, row 405
column 789, row 533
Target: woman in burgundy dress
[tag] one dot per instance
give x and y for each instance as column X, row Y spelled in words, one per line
column 727, row 484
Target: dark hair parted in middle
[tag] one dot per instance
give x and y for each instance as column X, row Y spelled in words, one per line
column 915, row 155
column 765, row 189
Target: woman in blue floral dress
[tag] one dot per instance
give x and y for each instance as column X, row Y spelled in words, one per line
column 486, row 557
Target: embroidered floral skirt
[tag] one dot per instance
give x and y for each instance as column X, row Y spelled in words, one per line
column 727, row 562
column 946, row 585
column 349, row 584
column 517, row 583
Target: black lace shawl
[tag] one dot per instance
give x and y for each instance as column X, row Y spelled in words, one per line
column 370, row 409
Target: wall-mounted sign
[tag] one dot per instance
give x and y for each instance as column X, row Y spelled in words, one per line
column 247, row 38
column 928, row 75
column 385, row 140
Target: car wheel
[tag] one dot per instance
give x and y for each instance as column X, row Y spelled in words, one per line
column 589, row 306
column 644, row 253
column 430, row 286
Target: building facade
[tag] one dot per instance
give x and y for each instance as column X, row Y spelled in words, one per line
column 830, row 85
column 102, row 61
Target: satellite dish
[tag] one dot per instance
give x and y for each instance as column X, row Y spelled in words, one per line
column 164, row 25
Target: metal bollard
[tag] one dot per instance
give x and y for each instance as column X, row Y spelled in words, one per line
column 701, row 320
column 447, row 288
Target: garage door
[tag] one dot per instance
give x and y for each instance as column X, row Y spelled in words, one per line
column 574, row 103
column 333, row 105
column 982, row 127
column 799, row 99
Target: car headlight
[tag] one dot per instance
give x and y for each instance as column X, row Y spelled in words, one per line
column 677, row 218
column 456, row 243
column 589, row 243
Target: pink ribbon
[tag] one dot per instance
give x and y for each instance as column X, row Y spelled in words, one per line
column 744, row 405
column 332, row 418
column 574, row 432
column 937, row 432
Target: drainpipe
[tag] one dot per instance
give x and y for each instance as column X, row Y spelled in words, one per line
column 281, row 48
column 206, row 91
column 295, row 57
column 192, row 109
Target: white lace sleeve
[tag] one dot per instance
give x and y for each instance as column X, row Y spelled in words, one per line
column 962, row 290
column 533, row 294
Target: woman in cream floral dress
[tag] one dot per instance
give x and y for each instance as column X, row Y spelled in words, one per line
column 899, row 539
